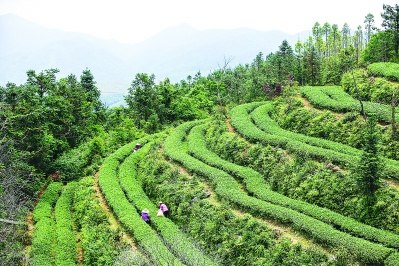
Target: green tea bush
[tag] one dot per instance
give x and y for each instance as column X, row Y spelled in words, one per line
column 170, row 233
column 45, row 206
column 236, row 239
column 241, row 120
column 335, row 99
column 42, row 243
column 330, row 151
column 127, row 214
column 255, row 184
column 65, row 250
column 44, row 232
column 100, row 243
column 263, row 120
column 230, row 190
column 385, row 69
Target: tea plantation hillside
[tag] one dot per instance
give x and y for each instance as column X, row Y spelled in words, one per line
column 291, row 159
column 220, row 179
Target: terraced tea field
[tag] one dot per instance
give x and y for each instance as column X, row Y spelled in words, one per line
column 240, row 188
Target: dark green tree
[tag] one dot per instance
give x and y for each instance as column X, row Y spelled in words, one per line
column 326, row 31
column 318, row 37
column 285, row 62
column 166, row 94
column 45, row 81
column 142, row 97
column 299, row 69
column 369, row 170
column 335, row 37
column 346, row 34
column 380, row 48
column 390, row 22
column 348, row 64
column 312, row 66
column 89, row 85
column 369, row 26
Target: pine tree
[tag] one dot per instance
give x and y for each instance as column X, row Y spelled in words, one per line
column 391, row 23
column 369, row 170
column 369, row 26
column 88, row 83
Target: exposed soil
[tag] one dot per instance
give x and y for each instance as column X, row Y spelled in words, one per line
column 114, row 223
column 309, row 106
column 229, row 126
column 183, row 171
column 30, row 223
column 282, row 230
column 79, row 248
column 392, row 183
column 306, row 103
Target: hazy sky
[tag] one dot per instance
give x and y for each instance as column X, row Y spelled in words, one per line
column 133, row 21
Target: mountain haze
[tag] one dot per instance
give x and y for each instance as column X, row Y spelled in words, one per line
column 175, row 52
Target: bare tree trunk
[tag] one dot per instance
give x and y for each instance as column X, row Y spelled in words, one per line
column 362, row 110
column 10, row 221
column 360, row 101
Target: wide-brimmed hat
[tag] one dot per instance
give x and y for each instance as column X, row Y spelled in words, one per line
column 146, row 211
column 160, row 202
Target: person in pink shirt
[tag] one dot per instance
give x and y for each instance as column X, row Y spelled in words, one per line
column 163, row 208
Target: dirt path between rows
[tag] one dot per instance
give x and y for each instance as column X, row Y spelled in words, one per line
column 394, row 184
column 308, row 105
column 282, row 230
column 229, row 126
column 114, row 223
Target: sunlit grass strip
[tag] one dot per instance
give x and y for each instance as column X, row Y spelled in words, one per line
column 44, row 234
column 44, row 208
column 242, row 122
column 227, row 188
column 334, row 98
column 127, row 213
column 171, row 234
column 263, row 121
column 388, row 70
column 256, row 184
column 65, row 251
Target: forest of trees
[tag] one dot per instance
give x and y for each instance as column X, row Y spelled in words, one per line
column 46, row 120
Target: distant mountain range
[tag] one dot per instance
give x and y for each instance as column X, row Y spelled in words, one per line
column 175, row 53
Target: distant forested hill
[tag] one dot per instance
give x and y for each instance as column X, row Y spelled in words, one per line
column 175, row 53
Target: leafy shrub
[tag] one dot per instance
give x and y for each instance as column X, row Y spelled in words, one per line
column 170, row 233
column 86, row 159
column 100, row 244
column 44, row 233
column 44, row 208
column 65, row 251
column 335, row 99
column 255, row 184
column 228, row 189
column 385, row 69
column 127, row 214
column 237, row 240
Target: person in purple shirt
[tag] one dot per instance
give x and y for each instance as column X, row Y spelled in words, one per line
column 145, row 215
column 163, row 208
column 137, row 147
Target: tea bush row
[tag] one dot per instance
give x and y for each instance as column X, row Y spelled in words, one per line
column 227, row 188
